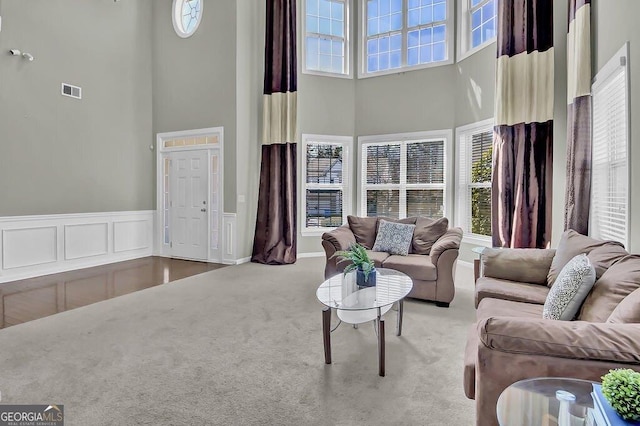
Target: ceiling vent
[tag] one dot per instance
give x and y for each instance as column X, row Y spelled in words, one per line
column 71, row 91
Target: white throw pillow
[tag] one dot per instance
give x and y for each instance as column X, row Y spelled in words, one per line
column 570, row 289
column 394, row 238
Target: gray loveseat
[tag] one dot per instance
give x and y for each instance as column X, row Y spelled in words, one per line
column 430, row 263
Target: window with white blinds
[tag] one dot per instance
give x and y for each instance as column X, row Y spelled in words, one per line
column 609, row 219
column 326, row 202
column 404, row 175
column 475, row 150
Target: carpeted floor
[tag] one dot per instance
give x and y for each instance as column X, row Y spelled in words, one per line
column 239, row 346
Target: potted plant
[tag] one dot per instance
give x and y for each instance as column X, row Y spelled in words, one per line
column 621, row 387
column 360, row 262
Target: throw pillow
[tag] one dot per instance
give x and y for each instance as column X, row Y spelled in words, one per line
column 572, row 244
column 394, row 238
column 427, row 232
column 617, row 283
column 627, row 311
column 364, row 229
column 570, row 289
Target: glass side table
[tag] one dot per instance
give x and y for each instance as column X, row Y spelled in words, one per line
column 545, row 401
column 477, row 263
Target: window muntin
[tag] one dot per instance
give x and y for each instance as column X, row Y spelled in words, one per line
column 483, row 21
column 474, row 187
column 186, row 16
column 325, row 202
column 403, row 178
column 404, row 33
column 609, row 215
column 326, row 36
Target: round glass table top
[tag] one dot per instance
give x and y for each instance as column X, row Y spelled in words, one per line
column 537, row 401
column 342, row 291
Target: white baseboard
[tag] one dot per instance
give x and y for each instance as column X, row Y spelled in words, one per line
column 314, row 254
column 39, row 245
column 243, row 260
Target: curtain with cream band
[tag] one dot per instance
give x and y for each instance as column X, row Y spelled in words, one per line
column 578, row 190
column 523, row 134
column 275, row 235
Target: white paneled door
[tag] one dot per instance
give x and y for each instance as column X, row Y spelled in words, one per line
column 188, row 209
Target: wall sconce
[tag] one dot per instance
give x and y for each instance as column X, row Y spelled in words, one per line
column 28, row 56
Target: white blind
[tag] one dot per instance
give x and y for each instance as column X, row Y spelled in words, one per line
column 474, row 178
column 404, row 178
column 610, row 152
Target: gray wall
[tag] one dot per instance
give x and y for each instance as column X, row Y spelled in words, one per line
column 61, row 155
column 194, row 79
column 612, row 27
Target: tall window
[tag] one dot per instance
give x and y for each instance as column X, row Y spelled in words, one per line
column 478, row 22
column 326, row 202
column 475, row 150
column 404, row 175
column 609, row 218
column 405, row 34
column 326, row 36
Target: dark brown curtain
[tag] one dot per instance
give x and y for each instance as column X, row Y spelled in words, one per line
column 274, row 242
column 523, row 135
column 578, row 190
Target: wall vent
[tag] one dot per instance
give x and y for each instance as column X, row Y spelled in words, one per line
column 71, row 91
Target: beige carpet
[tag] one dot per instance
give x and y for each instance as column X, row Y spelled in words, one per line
column 239, row 346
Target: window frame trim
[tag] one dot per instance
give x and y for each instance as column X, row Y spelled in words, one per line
column 601, row 78
column 464, row 32
column 362, row 41
column 462, row 133
column 403, row 139
column 346, row 142
column 347, row 43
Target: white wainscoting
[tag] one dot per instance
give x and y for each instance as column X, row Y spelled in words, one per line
column 39, row 245
column 229, row 236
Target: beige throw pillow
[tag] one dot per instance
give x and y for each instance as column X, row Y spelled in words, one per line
column 427, row 232
column 364, row 229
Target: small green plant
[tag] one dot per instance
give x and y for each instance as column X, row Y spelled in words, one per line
column 621, row 387
column 357, row 255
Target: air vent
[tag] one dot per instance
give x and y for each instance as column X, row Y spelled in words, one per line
column 71, row 91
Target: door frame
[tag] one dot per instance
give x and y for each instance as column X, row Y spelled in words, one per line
column 191, row 136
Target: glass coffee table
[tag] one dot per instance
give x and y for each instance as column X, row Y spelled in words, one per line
column 545, row 401
column 356, row 304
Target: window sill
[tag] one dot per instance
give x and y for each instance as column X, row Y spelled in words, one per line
column 327, row 74
column 363, row 75
column 464, row 55
column 477, row 240
column 315, row 232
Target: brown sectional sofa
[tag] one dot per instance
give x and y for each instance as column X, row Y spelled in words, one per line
column 511, row 341
column 432, row 273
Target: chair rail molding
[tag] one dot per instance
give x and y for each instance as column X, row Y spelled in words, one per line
column 31, row 246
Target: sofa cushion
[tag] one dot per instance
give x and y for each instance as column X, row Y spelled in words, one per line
column 510, row 290
column 522, row 265
column 427, row 232
column 572, row 244
column 616, row 283
column 378, row 257
column 602, row 258
column 417, row 266
column 627, row 311
column 394, row 238
column 364, row 229
column 507, row 308
column 570, row 289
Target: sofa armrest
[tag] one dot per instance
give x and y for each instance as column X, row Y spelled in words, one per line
column 450, row 240
column 564, row 339
column 522, row 265
column 340, row 238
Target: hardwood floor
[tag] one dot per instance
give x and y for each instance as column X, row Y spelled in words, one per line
column 26, row 300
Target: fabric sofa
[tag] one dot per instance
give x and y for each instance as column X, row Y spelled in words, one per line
column 511, row 341
column 430, row 262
